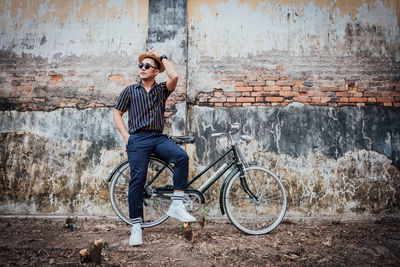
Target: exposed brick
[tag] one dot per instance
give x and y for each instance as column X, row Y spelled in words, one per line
column 230, row 94
column 257, row 94
column 232, row 104
column 219, row 104
column 245, row 99
column 246, row 104
column 256, row 83
column 286, row 88
column 259, row 99
column 371, row 99
column 239, row 84
column 344, row 94
column 246, row 94
column 231, row 99
column 258, row 88
column 287, row 93
column 274, row 99
column 91, row 88
column 115, row 77
column 56, row 78
column 358, row 99
column 272, row 88
column 244, row 89
column 217, row 99
column 385, row 99
column 286, row 83
column 343, row 100
column 387, row 104
column 325, row 99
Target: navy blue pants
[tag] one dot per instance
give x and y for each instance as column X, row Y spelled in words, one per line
column 140, row 146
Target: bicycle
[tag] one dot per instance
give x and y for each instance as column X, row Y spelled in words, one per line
column 252, row 196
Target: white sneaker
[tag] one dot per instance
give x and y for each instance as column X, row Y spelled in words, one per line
column 178, row 211
column 136, row 235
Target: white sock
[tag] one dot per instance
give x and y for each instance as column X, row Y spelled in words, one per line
column 177, row 197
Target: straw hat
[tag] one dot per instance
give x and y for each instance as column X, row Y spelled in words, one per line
column 143, row 56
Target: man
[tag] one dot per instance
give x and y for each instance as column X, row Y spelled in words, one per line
column 145, row 103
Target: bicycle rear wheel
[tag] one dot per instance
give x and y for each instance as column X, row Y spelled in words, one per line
column 255, row 202
column 155, row 203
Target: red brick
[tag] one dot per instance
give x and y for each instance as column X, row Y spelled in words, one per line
column 232, row 94
column 258, row 88
column 329, row 89
column 287, row 93
column 286, row 83
column 358, row 99
column 325, row 99
column 246, row 104
column 219, row 104
column 231, row 99
column 344, row 94
column 246, row 93
column 387, row 104
column 232, row 104
column 57, row 78
column 371, row 99
column 385, row 99
column 259, row 99
column 272, row 88
column 244, row 89
column 274, row 99
column 245, row 99
column 239, row 84
column 257, row 94
column 286, row 88
column 115, row 77
column 344, row 100
column 256, row 83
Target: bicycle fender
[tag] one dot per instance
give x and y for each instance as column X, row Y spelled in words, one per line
column 115, row 170
column 221, row 194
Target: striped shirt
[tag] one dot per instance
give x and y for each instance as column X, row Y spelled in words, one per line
column 145, row 110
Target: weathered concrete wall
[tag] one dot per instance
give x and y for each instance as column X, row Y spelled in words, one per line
column 317, row 83
column 330, row 160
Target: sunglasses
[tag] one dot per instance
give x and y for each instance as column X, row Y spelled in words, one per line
column 146, row 66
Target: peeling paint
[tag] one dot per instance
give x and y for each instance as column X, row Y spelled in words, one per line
column 74, row 28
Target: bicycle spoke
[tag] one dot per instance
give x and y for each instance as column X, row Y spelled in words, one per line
column 255, row 215
column 154, row 208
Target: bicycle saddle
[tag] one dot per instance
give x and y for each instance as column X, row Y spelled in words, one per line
column 180, row 140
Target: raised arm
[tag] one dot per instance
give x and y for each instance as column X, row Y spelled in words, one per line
column 170, row 69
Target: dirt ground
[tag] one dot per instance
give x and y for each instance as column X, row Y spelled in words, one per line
column 57, row 241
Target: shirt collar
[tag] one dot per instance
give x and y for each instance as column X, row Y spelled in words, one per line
column 155, row 84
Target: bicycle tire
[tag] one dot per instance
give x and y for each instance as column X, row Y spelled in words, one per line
column 155, row 206
column 260, row 214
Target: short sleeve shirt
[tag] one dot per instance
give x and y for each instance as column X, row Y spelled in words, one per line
column 145, row 109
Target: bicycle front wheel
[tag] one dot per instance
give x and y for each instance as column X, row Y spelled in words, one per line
column 256, row 201
column 155, row 204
